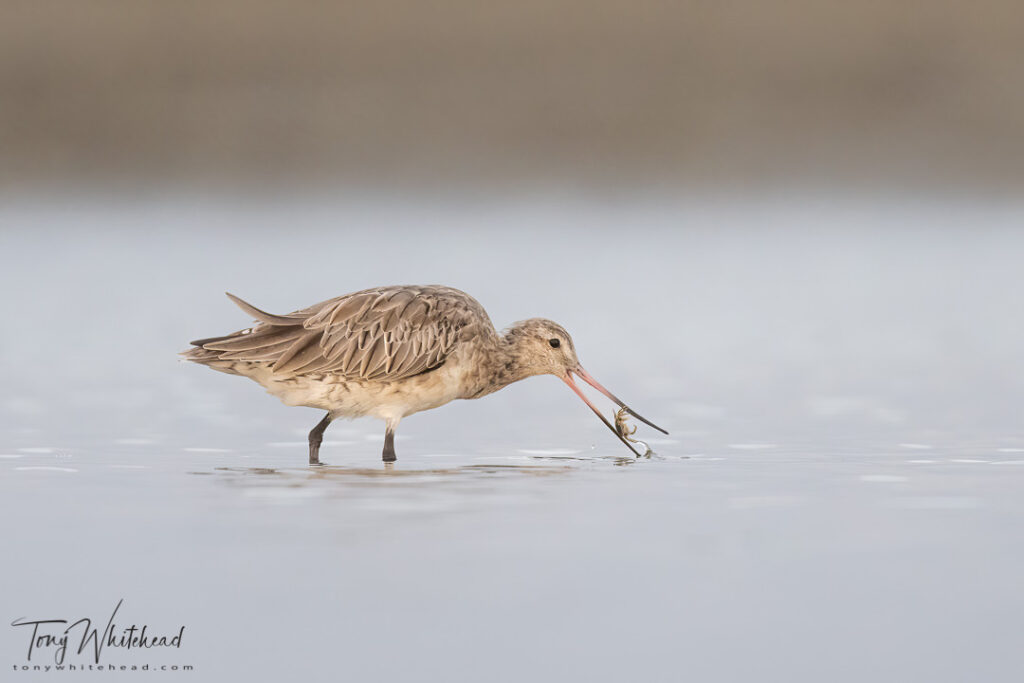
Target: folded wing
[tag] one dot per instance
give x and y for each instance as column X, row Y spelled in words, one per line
column 383, row 333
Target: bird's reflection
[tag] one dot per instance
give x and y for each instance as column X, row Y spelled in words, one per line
column 340, row 473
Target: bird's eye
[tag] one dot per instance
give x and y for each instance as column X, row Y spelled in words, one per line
column 555, row 343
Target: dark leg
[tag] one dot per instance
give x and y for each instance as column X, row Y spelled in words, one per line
column 389, row 445
column 316, row 437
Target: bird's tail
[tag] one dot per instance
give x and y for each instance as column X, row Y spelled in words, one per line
column 212, row 357
column 251, row 345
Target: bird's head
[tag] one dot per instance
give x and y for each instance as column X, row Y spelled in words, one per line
column 543, row 347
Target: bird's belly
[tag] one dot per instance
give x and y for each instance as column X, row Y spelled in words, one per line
column 357, row 398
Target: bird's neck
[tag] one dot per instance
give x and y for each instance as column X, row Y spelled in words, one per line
column 505, row 364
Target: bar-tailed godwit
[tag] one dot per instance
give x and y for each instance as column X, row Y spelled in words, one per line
column 389, row 352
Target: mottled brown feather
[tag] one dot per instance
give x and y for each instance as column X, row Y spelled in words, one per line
column 377, row 334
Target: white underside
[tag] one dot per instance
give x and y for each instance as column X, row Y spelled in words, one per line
column 390, row 400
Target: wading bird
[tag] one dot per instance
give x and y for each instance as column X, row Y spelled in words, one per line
column 389, row 352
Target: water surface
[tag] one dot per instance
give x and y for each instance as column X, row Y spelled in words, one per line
column 839, row 498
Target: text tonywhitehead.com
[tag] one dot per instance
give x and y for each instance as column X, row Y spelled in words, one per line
column 102, row 667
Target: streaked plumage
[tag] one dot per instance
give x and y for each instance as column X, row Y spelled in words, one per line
column 387, row 352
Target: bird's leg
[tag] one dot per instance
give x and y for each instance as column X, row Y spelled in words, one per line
column 316, row 437
column 389, row 443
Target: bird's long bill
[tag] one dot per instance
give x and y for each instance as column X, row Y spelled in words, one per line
column 585, row 376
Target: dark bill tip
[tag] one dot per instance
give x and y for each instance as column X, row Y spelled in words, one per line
column 586, row 377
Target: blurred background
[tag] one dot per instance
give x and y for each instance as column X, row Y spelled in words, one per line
column 648, row 94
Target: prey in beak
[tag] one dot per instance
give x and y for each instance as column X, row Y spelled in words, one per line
column 586, row 377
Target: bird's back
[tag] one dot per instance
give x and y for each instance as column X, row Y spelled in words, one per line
column 383, row 333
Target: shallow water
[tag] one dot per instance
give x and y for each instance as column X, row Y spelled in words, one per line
column 839, row 498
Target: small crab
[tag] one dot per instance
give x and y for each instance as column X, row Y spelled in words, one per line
column 622, row 428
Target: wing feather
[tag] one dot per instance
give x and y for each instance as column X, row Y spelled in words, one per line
column 269, row 352
column 383, row 333
column 260, row 338
column 302, row 351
